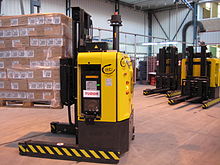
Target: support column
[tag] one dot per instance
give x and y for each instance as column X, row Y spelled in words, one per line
column 0, row 7
column 33, row 4
column 22, row 7
column 68, row 6
column 150, row 31
column 195, row 25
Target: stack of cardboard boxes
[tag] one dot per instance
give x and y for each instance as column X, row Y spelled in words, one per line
column 30, row 49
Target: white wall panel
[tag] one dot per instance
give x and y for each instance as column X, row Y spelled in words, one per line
column 101, row 11
column 210, row 38
column 12, row 7
column 53, row 6
column 170, row 21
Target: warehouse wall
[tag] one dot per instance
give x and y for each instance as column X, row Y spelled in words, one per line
column 171, row 20
column 100, row 10
column 12, row 7
column 133, row 21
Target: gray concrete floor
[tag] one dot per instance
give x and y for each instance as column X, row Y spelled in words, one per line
column 165, row 135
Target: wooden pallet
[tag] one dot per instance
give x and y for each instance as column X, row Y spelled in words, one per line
column 28, row 104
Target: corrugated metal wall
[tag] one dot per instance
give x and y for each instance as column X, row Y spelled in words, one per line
column 101, row 11
column 12, row 7
column 133, row 21
column 210, row 38
column 51, row 6
column 171, row 20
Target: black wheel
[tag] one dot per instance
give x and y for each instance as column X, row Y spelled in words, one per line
column 133, row 137
column 53, row 129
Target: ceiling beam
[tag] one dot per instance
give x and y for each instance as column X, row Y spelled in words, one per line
column 137, row 2
column 127, row 5
column 165, row 8
column 137, row 7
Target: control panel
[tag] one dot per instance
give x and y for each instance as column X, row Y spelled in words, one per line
column 91, row 92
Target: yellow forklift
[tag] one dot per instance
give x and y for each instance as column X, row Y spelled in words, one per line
column 200, row 75
column 168, row 76
column 99, row 83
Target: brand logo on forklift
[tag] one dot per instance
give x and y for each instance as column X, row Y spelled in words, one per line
column 108, row 69
column 122, row 62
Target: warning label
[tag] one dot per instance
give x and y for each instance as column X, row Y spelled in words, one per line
column 108, row 82
column 91, row 94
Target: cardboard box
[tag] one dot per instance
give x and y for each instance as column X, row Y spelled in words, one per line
column 49, row 53
column 40, row 84
column 53, row 97
column 48, row 19
column 5, row 85
column 44, row 64
column 18, row 84
column 47, row 74
column 17, row 42
column 58, row 30
column 53, row 74
column 47, row 95
column 12, row 21
column 40, row 30
column 52, row 41
column 47, row 30
column 9, row 32
column 30, row 50
column 19, row 74
column 2, row 43
column 36, row 53
column 3, row 74
column 22, row 52
column 13, row 95
column 14, row 63
column 3, row 64
column 34, row 19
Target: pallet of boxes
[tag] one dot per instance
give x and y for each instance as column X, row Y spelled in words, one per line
column 30, row 49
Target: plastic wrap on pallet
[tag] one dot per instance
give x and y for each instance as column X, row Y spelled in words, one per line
column 30, row 49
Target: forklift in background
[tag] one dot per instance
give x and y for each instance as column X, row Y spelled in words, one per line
column 100, row 85
column 168, row 72
column 200, row 75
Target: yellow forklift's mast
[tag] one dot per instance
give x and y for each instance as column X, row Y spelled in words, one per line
column 200, row 76
column 168, row 72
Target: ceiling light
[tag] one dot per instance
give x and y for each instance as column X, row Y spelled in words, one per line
column 160, row 43
column 150, row 43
